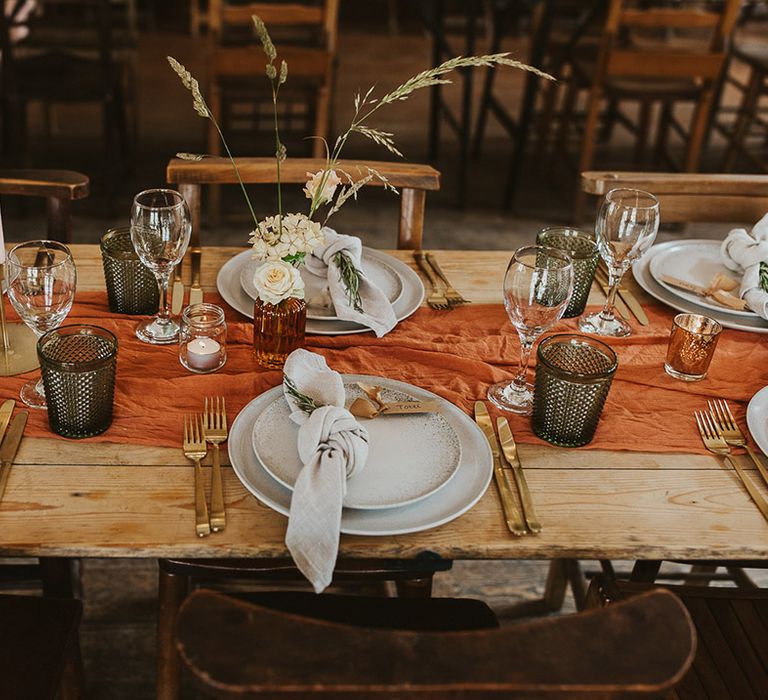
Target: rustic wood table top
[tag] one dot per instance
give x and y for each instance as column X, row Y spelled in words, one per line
column 66, row 498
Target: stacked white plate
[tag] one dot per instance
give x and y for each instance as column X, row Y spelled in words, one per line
column 696, row 261
column 399, row 283
column 423, row 470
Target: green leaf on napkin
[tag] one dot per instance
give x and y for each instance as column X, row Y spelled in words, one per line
column 764, row 276
column 304, row 402
column 350, row 277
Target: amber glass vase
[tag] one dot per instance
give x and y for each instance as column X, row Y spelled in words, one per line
column 278, row 329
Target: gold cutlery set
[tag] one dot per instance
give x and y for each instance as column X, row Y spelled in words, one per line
column 626, row 303
column 719, row 432
column 195, row 290
column 10, row 440
column 199, row 429
column 507, row 468
column 438, row 299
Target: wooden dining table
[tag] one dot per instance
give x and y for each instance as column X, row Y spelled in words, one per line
column 69, row 498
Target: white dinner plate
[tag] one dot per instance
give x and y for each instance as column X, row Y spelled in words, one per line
column 696, row 261
column 459, row 495
column 410, row 456
column 377, row 271
column 228, row 284
column 757, row 419
column 642, row 273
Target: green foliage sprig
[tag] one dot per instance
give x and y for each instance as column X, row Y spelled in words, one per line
column 304, row 402
column 350, row 278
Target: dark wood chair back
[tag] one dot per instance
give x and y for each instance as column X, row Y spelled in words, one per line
column 413, row 181
column 236, row 649
column 58, row 187
column 685, row 197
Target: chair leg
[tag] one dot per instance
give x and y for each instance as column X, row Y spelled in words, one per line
column 645, row 571
column 698, row 130
column 322, row 110
column 414, row 588
column 587, row 154
column 741, row 127
column 172, row 591
column 662, row 135
column 214, row 148
column 72, row 684
column 643, row 129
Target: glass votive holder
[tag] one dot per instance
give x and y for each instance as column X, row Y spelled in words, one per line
column 573, row 377
column 131, row 286
column 203, row 338
column 581, row 246
column 78, row 365
column 692, row 344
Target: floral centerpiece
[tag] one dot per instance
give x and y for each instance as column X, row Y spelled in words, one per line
column 283, row 240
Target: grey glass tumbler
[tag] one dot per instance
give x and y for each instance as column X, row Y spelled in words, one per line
column 131, row 286
column 573, row 377
column 581, row 246
column 78, row 364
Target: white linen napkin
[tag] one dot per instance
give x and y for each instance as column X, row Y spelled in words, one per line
column 742, row 252
column 377, row 313
column 332, row 446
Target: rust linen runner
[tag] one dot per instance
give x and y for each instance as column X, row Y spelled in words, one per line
column 456, row 354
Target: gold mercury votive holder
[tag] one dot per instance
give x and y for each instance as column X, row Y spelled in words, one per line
column 692, row 344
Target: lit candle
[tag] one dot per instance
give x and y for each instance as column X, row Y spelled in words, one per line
column 203, row 354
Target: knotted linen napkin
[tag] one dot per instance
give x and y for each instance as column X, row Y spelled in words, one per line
column 332, row 446
column 377, row 313
column 742, row 252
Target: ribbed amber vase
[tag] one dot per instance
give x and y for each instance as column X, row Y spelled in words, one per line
column 278, row 330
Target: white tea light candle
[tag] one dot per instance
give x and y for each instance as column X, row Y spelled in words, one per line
column 203, row 338
column 203, row 354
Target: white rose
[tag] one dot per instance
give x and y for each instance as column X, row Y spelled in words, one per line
column 329, row 188
column 278, row 280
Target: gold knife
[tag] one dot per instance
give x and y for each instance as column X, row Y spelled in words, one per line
column 196, row 291
column 177, row 294
column 509, row 450
column 10, row 446
column 511, row 513
column 5, row 415
column 619, row 306
column 631, row 301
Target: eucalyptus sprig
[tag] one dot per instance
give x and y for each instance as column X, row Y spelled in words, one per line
column 764, row 276
column 303, row 402
column 350, row 277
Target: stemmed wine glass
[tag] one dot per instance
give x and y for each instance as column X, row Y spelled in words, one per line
column 41, row 286
column 160, row 230
column 537, row 288
column 627, row 224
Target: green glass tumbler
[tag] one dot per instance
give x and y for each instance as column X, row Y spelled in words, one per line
column 573, row 377
column 131, row 286
column 581, row 246
column 78, row 364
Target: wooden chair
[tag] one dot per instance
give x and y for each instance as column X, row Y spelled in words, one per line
column 305, row 35
column 236, row 649
column 691, row 197
column 747, row 135
column 66, row 64
column 413, row 181
column 58, row 187
column 41, row 650
column 630, row 67
column 732, row 626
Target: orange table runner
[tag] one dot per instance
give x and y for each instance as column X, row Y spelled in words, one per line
column 456, row 354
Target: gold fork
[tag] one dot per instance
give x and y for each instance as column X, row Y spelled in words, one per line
column 215, row 432
column 715, row 443
column 451, row 294
column 732, row 434
column 436, row 300
column 194, row 449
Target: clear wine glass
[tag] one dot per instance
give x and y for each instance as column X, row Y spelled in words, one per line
column 160, row 230
column 41, row 286
column 627, row 224
column 537, row 288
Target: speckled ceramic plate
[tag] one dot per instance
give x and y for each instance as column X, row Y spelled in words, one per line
column 410, row 456
column 460, row 494
column 376, row 270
